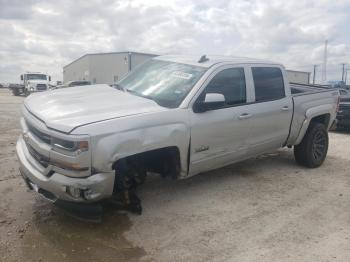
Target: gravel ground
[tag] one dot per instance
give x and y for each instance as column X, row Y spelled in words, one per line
column 264, row 209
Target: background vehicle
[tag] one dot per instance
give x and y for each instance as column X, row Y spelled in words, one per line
column 336, row 84
column 173, row 115
column 74, row 83
column 343, row 115
column 17, row 89
column 32, row 82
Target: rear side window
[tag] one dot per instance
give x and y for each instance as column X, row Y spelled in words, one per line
column 231, row 83
column 268, row 82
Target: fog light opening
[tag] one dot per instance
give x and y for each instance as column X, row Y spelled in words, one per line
column 77, row 193
column 88, row 194
column 74, row 192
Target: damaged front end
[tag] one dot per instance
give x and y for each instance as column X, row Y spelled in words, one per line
column 131, row 172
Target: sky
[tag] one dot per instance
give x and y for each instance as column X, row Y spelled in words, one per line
column 44, row 36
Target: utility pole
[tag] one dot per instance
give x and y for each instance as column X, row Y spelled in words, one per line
column 324, row 67
column 314, row 76
column 343, row 72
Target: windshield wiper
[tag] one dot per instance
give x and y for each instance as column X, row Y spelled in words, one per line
column 139, row 94
column 160, row 102
column 119, row 87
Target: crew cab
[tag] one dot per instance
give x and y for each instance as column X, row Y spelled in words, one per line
column 174, row 115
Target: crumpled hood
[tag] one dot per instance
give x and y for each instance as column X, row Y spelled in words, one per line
column 68, row 108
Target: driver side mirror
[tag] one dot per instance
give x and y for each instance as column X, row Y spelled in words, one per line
column 49, row 78
column 211, row 101
column 22, row 77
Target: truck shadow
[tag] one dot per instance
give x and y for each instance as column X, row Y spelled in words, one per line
column 55, row 236
column 341, row 131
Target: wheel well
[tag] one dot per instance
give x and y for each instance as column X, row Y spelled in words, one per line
column 322, row 119
column 165, row 161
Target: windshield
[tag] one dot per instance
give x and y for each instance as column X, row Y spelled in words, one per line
column 167, row 83
column 36, row 77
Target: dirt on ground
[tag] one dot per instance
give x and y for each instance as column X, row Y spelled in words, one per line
column 263, row 209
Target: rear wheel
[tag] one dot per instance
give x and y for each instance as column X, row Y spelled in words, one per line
column 312, row 150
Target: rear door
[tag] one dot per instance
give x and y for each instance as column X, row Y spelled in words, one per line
column 272, row 108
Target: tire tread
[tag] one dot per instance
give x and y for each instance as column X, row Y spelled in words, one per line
column 303, row 151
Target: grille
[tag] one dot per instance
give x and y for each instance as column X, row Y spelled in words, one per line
column 342, row 99
column 345, row 106
column 41, row 87
column 42, row 136
column 43, row 160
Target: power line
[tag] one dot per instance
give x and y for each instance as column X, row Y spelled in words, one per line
column 324, row 68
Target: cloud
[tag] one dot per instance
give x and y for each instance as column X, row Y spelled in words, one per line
column 15, row 9
column 46, row 35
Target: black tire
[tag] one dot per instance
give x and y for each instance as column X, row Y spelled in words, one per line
column 26, row 93
column 312, row 150
column 15, row 92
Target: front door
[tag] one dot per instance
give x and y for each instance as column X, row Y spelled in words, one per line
column 220, row 135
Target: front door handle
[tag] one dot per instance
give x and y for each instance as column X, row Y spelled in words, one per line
column 285, row 108
column 244, row 116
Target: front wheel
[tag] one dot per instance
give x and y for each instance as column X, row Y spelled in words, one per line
column 26, row 92
column 312, row 150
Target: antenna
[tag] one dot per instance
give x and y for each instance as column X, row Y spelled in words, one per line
column 203, row 59
column 324, row 66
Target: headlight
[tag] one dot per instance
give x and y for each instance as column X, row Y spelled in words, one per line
column 31, row 89
column 71, row 146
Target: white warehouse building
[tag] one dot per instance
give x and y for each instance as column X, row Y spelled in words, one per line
column 299, row 77
column 103, row 68
column 108, row 68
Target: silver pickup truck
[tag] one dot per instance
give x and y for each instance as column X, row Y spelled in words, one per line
column 174, row 115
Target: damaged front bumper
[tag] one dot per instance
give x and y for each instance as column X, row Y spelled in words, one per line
column 61, row 189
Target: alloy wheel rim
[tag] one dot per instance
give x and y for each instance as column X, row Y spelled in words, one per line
column 319, row 145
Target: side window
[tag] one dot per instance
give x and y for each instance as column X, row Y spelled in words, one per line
column 268, row 82
column 231, row 83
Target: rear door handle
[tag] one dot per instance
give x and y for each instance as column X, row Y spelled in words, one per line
column 285, row 108
column 244, row 116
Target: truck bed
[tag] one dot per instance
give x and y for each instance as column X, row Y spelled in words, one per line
column 307, row 98
column 301, row 89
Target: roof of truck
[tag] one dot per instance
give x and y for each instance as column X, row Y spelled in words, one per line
column 210, row 60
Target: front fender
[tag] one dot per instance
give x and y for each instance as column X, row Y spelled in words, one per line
column 115, row 139
column 111, row 148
